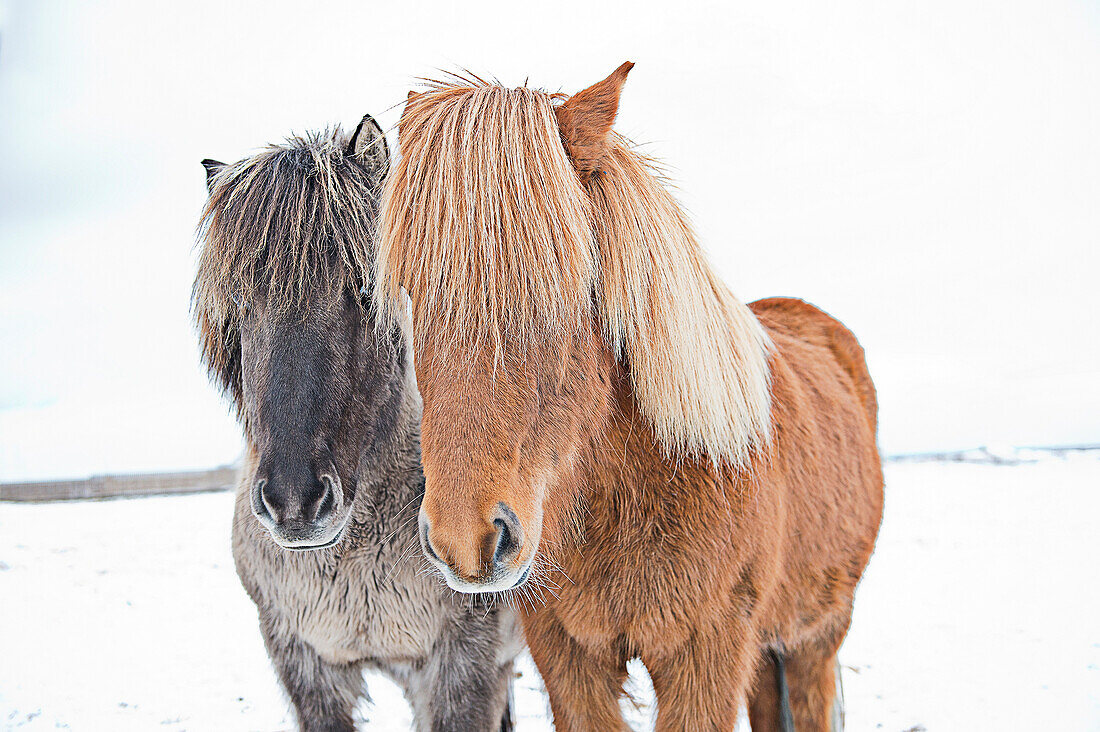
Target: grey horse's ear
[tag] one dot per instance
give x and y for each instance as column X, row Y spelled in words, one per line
column 213, row 167
column 368, row 143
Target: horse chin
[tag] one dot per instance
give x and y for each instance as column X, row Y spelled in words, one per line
column 499, row 582
column 312, row 540
column 304, row 545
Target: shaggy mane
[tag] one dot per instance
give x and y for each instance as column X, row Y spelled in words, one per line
column 487, row 224
column 698, row 356
column 485, row 220
column 290, row 224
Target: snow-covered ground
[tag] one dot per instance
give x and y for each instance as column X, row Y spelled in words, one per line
column 981, row 610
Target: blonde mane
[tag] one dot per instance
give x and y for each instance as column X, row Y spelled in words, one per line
column 483, row 217
column 698, row 356
column 486, row 223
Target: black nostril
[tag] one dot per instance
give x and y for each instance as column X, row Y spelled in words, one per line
column 425, row 543
column 269, row 504
column 505, row 542
column 327, row 504
column 258, row 506
column 509, row 534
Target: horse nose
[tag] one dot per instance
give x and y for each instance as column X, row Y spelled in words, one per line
column 476, row 554
column 282, row 505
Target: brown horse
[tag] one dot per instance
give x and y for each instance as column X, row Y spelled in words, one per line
column 685, row 479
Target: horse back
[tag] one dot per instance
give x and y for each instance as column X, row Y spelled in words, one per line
column 803, row 321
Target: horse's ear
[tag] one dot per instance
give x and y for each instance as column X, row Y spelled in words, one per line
column 368, row 143
column 213, row 167
column 585, row 119
column 412, row 97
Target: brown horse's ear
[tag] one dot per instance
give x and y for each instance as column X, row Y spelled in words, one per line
column 213, row 167
column 368, row 144
column 585, row 119
column 412, row 97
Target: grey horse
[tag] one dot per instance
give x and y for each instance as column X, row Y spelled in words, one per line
column 324, row 531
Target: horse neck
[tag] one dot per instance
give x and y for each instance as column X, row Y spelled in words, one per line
column 395, row 455
column 624, row 462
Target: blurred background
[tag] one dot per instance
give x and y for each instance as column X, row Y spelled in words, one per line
column 927, row 172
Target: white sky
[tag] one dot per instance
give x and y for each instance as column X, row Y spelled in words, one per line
column 927, row 172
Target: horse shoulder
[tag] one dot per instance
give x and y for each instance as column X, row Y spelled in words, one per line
column 828, row 344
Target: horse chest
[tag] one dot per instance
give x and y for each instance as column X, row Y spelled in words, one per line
column 647, row 572
column 356, row 615
column 353, row 608
column 645, row 594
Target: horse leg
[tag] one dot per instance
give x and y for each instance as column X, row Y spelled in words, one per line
column 764, row 712
column 446, row 714
column 701, row 685
column 508, row 718
column 584, row 688
column 814, row 679
column 324, row 694
column 462, row 686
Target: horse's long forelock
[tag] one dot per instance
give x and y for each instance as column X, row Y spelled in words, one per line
column 487, row 224
column 483, row 219
column 294, row 220
column 292, row 223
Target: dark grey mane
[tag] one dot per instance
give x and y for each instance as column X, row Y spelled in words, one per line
column 291, row 224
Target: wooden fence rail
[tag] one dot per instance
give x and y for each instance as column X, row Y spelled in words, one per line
column 118, row 486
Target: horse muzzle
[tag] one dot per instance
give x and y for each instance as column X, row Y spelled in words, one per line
column 301, row 517
column 492, row 558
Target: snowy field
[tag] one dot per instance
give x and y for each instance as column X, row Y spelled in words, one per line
column 980, row 611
